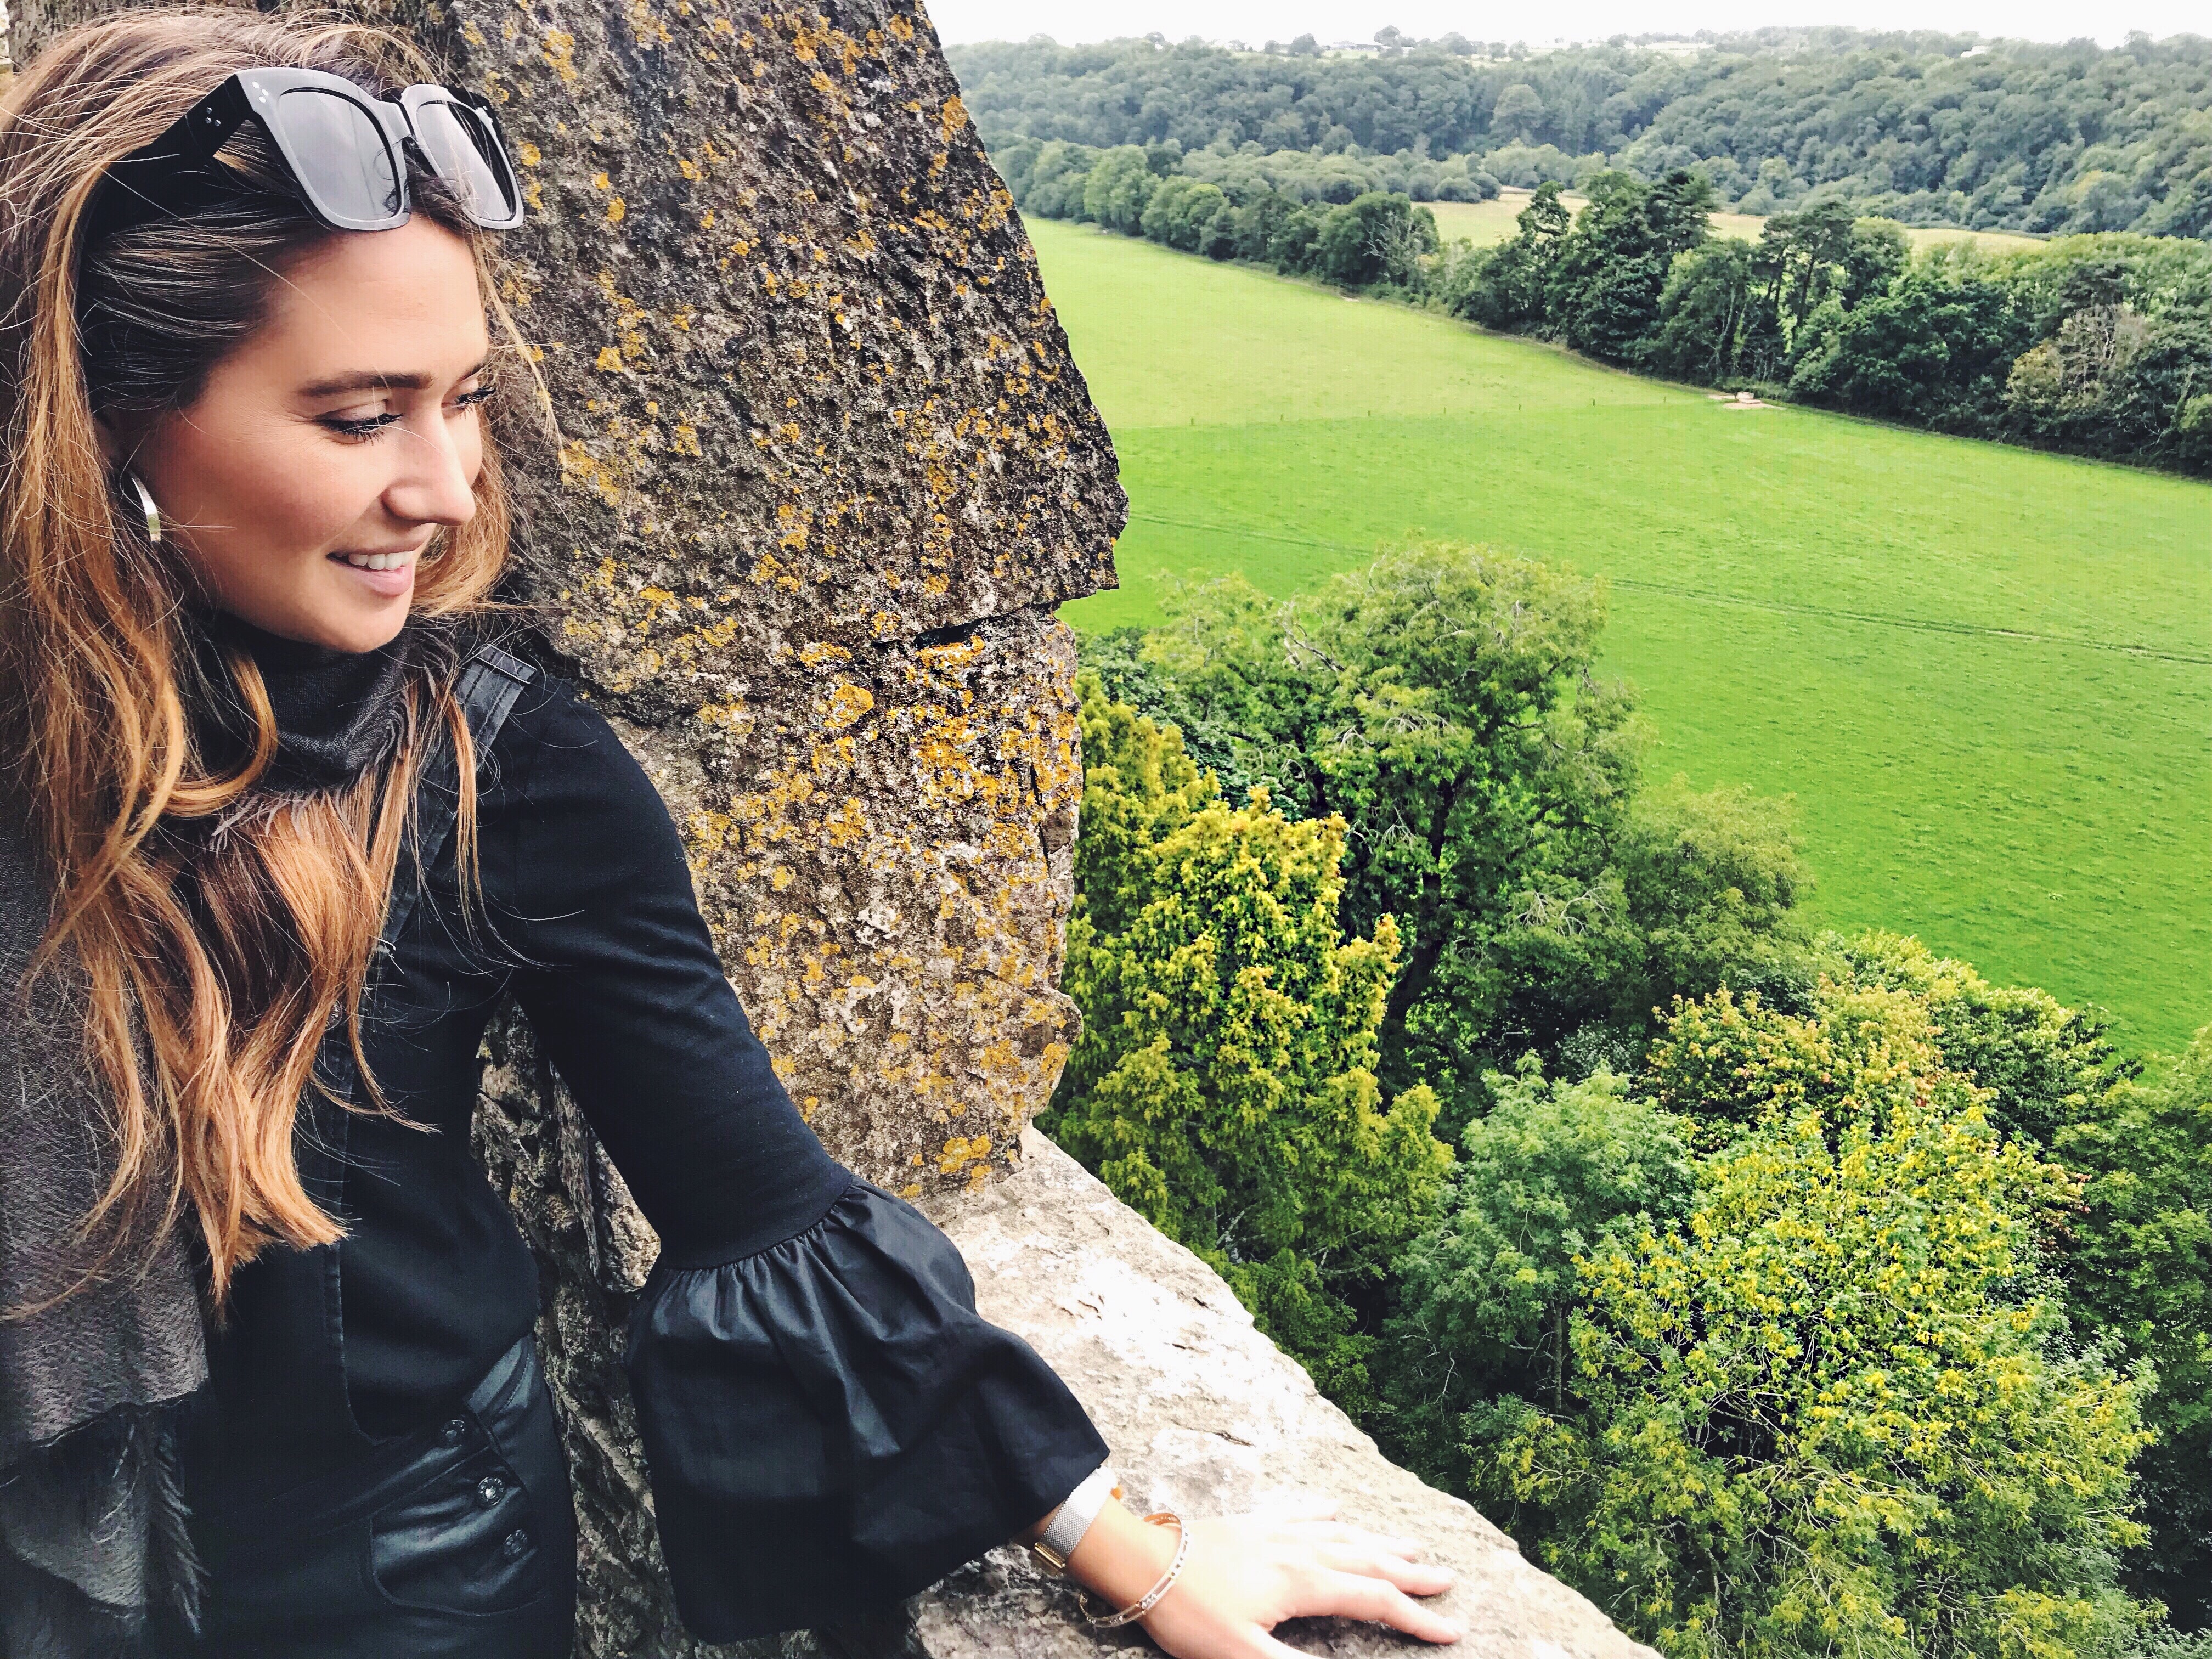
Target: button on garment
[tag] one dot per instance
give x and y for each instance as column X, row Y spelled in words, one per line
column 827, row 1420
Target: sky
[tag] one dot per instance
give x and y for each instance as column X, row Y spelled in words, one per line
column 1256, row 21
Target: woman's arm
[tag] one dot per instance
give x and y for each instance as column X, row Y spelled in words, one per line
column 1246, row 1574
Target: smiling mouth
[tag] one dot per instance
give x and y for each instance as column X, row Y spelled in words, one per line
column 377, row 561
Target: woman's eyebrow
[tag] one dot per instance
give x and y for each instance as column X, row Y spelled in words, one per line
column 369, row 379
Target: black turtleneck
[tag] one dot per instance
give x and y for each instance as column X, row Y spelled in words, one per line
column 338, row 711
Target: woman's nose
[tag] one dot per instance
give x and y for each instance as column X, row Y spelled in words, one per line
column 436, row 482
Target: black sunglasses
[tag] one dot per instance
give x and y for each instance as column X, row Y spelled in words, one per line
column 345, row 149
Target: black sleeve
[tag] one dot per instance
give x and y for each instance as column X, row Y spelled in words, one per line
column 829, row 1422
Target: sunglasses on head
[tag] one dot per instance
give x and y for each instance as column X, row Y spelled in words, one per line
column 345, row 149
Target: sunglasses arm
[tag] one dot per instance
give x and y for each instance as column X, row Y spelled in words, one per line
column 206, row 127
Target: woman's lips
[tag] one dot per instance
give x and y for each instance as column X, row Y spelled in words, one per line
column 390, row 582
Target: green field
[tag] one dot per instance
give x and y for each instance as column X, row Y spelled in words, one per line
column 1985, row 673
column 1496, row 220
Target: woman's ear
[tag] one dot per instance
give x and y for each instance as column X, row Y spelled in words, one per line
column 112, row 446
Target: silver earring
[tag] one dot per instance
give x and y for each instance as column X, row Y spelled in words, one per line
column 153, row 512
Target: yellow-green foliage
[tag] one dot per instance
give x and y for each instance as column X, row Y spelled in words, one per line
column 1225, row 1083
column 1832, row 1411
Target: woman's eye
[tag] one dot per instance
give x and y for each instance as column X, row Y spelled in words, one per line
column 361, row 426
column 470, row 400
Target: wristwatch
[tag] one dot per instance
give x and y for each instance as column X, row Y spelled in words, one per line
column 1057, row 1542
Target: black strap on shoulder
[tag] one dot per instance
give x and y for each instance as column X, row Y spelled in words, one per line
column 486, row 689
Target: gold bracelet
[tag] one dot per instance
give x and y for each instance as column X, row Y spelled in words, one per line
column 1151, row 1598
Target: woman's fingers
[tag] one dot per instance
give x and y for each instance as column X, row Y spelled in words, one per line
column 1323, row 1533
column 1415, row 1577
column 1355, row 1595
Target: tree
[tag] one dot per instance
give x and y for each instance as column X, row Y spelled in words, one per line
column 1442, row 702
column 2047, row 1067
column 1931, row 351
column 1218, row 240
column 1828, row 1411
column 1225, row 1083
column 1119, row 186
column 1295, row 237
column 1258, row 222
column 1057, row 180
column 1505, row 287
column 1803, row 254
column 2138, row 1270
column 1373, row 238
column 1707, row 314
column 1518, row 115
column 1603, row 291
column 1714, row 881
column 1556, row 1172
column 1179, row 210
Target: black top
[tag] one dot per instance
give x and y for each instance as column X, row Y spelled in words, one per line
column 824, row 1413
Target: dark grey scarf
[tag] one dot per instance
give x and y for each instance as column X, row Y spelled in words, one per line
column 92, row 1529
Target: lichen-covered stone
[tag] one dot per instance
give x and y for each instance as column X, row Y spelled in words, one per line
column 825, row 466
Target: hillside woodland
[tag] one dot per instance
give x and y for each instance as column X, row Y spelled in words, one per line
column 1921, row 127
column 2100, row 344
column 1790, row 1293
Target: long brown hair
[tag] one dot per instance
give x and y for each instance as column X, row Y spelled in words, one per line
column 219, row 927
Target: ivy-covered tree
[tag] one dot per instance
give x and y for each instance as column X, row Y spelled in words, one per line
column 1225, row 1083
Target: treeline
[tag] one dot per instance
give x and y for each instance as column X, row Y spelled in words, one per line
column 1373, row 238
column 1925, row 128
column 2100, row 345
column 1789, row 1293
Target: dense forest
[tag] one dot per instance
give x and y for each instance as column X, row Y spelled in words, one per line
column 1790, row 1293
column 1923, row 128
column 2100, row 344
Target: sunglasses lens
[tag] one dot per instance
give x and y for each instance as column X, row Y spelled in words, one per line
column 340, row 154
column 467, row 157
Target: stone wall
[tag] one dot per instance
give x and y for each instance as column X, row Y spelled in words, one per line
column 824, row 468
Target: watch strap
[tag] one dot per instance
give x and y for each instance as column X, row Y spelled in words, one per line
column 1073, row 1519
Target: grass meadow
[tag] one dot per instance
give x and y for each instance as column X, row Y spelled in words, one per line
column 1984, row 673
column 1496, row 220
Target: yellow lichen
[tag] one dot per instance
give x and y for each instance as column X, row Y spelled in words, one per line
column 560, row 51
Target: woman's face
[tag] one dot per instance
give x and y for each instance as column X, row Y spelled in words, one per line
column 324, row 453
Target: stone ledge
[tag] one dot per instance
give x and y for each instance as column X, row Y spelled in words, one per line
column 1206, row 1416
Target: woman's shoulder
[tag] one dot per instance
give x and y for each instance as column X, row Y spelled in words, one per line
column 556, row 753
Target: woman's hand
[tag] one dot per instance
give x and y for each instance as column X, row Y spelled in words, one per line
column 1247, row 1573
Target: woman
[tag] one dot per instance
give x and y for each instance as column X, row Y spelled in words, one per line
column 282, row 822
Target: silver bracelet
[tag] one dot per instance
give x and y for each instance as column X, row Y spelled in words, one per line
column 1151, row 1598
column 1073, row 1519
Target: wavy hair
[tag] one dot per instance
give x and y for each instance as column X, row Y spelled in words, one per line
column 219, row 928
